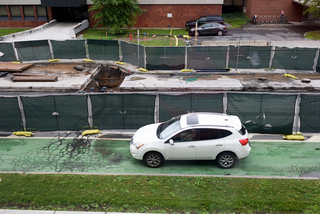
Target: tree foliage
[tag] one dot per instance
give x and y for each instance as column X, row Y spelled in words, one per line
column 313, row 7
column 116, row 14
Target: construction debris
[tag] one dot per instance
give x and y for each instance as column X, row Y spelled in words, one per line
column 20, row 77
column 15, row 67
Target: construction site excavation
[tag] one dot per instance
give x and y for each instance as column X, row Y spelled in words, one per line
column 60, row 77
column 108, row 76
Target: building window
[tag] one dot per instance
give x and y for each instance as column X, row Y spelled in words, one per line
column 29, row 13
column 3, row 13
column 15, row 13
column 42, row 13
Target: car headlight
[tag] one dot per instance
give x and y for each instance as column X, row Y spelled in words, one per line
column 137, row 145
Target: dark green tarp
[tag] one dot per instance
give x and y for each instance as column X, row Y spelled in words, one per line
column 249, row 56
column 69, row 49
column 310, row 113
column 264, row 113
column 165, row 58
column 294, row 58
column 103, row 49
column 10, row 117
column 130, row 54
column 207, row 57
column 33, row 50
column 122, row 111
column 51, row 113
column 175, row 105
column 7, row 50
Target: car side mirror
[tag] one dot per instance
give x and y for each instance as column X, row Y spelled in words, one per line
column 171, row 142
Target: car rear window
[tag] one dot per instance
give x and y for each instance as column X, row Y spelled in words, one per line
column 242, row 131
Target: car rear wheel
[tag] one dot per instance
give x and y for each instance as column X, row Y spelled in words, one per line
column 220, row 33
column 153, row 159
column 226, row 160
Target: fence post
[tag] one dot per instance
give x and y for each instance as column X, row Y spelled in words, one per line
column 90, row 115
column 225, row 102
column 296, row 120
column 50, row 48
column 157, row 108
column 186, row 58
column 273, row 50
column 23, row 116
column 316, row 61
column 15, row 51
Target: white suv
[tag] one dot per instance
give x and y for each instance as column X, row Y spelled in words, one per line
column 193, row 136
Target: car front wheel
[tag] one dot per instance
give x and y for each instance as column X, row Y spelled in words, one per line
column 153, row 159
column 226, row 160
column 220, row 33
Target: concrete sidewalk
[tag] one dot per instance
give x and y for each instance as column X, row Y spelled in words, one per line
column 58, row 31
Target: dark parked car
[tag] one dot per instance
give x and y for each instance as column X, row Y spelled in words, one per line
column 209, row 29
column 203, row 20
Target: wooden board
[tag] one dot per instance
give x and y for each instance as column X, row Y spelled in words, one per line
column 14, row 67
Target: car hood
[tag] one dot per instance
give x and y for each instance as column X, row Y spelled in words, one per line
column 146, row 134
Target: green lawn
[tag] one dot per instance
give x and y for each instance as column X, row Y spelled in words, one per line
column 234, row 19
column 313, row 35
column 6, row 31
column 158, row 194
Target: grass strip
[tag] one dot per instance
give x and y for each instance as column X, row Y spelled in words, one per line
column 7, row 31
column 313, row 35
column 158, row 194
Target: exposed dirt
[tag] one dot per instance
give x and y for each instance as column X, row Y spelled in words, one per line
column 62, row 69
column 275, row 77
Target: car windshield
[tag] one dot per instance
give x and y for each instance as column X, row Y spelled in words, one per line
column 168, row 128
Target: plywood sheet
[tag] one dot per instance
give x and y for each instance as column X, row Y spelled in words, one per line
column 14, row 67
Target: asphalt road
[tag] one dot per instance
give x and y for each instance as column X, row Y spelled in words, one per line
column 283, row 159
column 266, row 32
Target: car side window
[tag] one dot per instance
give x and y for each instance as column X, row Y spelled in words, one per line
column 203, row 19
column 206, row 25
column 185, row 136
column 212, row 134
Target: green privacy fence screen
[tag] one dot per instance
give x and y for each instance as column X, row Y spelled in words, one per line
column 294, row 58
column 8, row 52
column 133, row 54
column 10, row 117
column 123, row 111
column 33, row 50
column 249, row 56
column 259, row 112
column 69, row 49
column 310, row 113
column 207, row 57
column 168, row 58
column 264, row 113
column 173, row 105
column 103, row 49
column 51, row 113
column 165, row 58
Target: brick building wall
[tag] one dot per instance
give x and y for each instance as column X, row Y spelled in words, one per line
column 156, row 15
column 266, row 9
column 23, row 22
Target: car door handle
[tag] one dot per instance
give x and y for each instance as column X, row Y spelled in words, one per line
column 219, row 145
column 192, row 146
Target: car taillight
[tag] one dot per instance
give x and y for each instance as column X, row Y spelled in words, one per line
column 244, row 141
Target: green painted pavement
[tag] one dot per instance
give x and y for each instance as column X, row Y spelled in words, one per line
column 113, row 156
